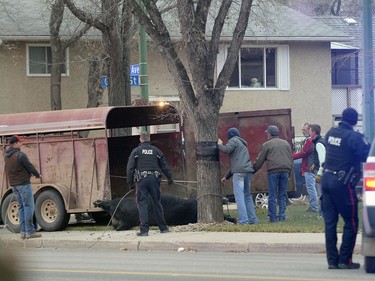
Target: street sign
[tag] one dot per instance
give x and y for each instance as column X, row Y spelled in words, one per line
column 134, row 77
column 134, row 70
column 134, row 80
column 134, row 74
column 104, row 82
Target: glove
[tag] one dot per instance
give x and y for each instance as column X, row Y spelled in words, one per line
column 317, row 178
column 170, row 181
column 132, row 186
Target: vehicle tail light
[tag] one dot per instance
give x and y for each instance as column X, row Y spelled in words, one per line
column 369, row 176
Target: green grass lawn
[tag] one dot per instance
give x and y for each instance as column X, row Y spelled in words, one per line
column 298, row 220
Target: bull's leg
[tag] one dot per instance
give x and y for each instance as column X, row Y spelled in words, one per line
column 122, row 227
column 230, row 219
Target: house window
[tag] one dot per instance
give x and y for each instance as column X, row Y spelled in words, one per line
column 39, row 60
column 259, row 68
column 344, row 67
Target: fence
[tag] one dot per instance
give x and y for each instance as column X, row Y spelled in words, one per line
column 343, row 97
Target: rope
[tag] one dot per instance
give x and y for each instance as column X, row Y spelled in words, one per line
column 114, row 212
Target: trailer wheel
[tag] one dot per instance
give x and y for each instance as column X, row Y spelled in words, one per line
column 9, row 213
column 50, row 211
column 261, row 201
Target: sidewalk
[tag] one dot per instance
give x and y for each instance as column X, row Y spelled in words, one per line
column 175, row 241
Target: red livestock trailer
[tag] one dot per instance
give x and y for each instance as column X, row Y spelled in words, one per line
column 82, row 155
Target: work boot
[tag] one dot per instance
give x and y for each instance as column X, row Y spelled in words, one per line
column 34, row 235
column 332, row 266
column 164, row 231
column 142, row 233
column 353, row 265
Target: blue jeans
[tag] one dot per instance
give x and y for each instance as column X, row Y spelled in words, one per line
column 311, row 190
column 25, row 198
column 244, row 201
column 277, row 185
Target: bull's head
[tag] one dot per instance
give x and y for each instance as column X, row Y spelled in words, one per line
column 98, row 203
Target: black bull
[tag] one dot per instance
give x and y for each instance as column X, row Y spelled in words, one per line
column 177, row 211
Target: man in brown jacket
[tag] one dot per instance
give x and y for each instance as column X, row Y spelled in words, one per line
column 277, row 154
column 19, row 170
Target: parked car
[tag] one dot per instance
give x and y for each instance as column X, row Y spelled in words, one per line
column 368, row 232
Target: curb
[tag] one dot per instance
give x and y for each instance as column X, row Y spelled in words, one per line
column 139, row 245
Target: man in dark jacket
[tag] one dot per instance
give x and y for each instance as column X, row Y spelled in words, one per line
column 19, row 170
column 345, row 150
column 277, row 154
column 241, row 169
column 144, row 168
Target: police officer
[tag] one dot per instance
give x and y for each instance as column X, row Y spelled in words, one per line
column 144, row 168
column 345, row 150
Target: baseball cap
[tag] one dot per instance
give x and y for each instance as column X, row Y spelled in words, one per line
column 273, row 130
column 15, row 138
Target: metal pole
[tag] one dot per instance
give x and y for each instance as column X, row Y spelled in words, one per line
column 143, row 75
column 143, row 58
column 367, row 72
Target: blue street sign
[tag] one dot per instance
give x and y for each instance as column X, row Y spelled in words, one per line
column 134, row 70
column 104, row 81
column 134, row 80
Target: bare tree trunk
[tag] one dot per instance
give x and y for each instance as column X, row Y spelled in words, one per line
column 58, row 49
column 94, row 89
column 58, row 53
column 113, row 47
column 56, row 71
column 210, row 206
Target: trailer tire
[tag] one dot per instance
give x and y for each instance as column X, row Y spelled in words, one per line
column 9, row 213
column 50, row 211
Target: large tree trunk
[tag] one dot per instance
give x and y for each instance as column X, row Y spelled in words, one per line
column 113, row 47
column 210, row 207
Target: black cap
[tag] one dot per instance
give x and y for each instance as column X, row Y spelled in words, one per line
column 350, row 116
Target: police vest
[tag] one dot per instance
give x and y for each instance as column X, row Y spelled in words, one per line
column 338, row 154
column 147, row 158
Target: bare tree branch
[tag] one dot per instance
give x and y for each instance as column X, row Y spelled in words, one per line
column 86, row 18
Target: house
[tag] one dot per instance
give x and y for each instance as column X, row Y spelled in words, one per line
column 347, row 65
column 288, row 53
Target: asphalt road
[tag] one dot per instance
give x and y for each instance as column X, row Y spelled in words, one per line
column 90, row 264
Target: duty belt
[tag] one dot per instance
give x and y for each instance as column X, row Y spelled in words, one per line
column 332, row 172
column 147, row 173
column 339, row 174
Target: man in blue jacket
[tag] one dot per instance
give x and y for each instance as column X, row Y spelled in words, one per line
column 241, row 169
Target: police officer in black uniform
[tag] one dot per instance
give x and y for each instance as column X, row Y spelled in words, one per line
column 145, row 165
column 345, row 150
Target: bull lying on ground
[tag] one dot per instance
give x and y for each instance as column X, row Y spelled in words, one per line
column 177, row 211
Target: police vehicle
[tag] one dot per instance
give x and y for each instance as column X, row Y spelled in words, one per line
column 368, row 233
